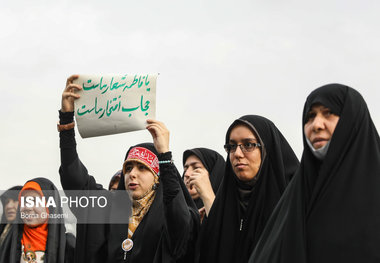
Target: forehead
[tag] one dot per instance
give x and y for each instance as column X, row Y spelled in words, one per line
column 30, row 192
column 192, row 159
column 9, row 199
column 241, row 132
column 134, row 163
column 318, row 107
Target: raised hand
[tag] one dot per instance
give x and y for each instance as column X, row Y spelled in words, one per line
column 160, row 135
column 69, row 95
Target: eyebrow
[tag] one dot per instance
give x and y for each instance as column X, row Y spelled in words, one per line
column 244, row 140
column 191, row 164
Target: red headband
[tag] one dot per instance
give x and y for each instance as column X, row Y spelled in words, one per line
column 144, row 155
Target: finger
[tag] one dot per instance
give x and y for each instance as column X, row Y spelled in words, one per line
column 152, row 131
column 156, row 123
column 194, row 176
column 159, row 130
column 194, row 183
column 154, row 126
column 150, row 121
column 71, row 79
column 73, row 87
column 70, row 95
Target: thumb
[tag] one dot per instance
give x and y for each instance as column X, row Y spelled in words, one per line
column 152, row 132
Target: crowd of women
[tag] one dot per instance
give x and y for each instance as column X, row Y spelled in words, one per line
column 259, row 205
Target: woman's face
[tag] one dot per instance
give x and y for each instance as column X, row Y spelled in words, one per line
column 10, row 209
column 320, row 125
column 192, row 163
column 139, row 179
column 35, row 215
column 245, row 164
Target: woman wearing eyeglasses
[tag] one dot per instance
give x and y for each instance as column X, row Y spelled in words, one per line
column 259, row 165
column 331, row 210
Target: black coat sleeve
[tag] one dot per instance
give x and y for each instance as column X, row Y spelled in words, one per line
column 181, row 218
column 74, row 175
column 91, row 238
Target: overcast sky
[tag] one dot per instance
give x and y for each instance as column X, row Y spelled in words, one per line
column 218, row 60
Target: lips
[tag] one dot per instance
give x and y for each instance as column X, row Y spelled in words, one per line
column 319, row 142
column 240, row 165
column 11, row 213
column 132, row 186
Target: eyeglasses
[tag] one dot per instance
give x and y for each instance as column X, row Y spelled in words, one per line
column 244, row 147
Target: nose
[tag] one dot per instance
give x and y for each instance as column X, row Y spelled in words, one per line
column 186, row 174
column 318, row 123
column 238, row 152
column 133, row 172
column 26, row 209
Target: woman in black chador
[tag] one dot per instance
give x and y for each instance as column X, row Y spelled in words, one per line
column 203, row 171
column 9, row 200
column 259, row 165
column 331, row 210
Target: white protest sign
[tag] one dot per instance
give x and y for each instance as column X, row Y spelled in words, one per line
column 111, row 104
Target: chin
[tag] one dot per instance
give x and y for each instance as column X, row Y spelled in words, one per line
column 10, row 220
column 135, row 196
column 194, row 196
column 245, row 177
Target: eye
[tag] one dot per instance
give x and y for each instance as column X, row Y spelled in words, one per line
column 128, row 168
column 310, row 115
column 230, row 147
column 142, row 167
column 249, row 145
column 328, row 113
column 233, row 147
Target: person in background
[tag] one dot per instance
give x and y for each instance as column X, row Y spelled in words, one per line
column 9, row 201
column 331, row 210
column 114, row 183
column 37, row 237
column 260, row 163
column 203, row 173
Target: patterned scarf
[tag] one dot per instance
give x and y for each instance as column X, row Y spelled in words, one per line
column 139, row 209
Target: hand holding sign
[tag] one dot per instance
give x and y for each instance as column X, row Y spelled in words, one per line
column 160, row 135
column 69, row 95
column 110, row 104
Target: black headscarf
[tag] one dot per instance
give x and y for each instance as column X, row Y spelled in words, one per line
column 56, row 240
column 214, row 164
column 336, row 218
column 115, row 179
column 11, row 193
column 222, row 240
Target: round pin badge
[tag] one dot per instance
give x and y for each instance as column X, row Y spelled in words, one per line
column 127, row 245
